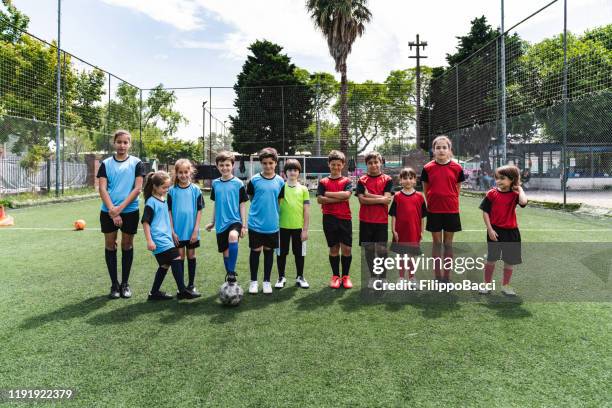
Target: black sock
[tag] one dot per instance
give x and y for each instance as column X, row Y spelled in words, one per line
column 346, row 264
column 334, row 261
column 127, row 256
column 177, row 272
column 159, row 278
column 191, row 265
column 281, row 262
column 370, row 254
column 254, row 264
column 111, row 264
column 299, row 265
column 268, row 261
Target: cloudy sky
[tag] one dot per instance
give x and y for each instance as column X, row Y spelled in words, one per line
column 204, row 42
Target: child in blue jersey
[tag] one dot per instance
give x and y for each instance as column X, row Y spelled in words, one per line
column 229, row 212
column 185, row 203
column 264, row 189
column 158, row 232
column 120, row 181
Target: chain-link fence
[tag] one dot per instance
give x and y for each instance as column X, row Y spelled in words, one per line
column 543, row 104
column 92, row 104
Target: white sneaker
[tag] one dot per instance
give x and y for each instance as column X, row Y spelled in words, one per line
column 280, row 283
column 253, row 287
column 301, row 282
column 508, row 291
column 484, row 291
column 267, row 288
column 413, row 283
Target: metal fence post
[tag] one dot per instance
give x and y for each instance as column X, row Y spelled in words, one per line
column 59, row 102
column 140, row 124
column 283, row 115
column 564, row 146
column 503, row 85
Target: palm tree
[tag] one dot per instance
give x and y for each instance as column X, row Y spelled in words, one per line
column 341, row 22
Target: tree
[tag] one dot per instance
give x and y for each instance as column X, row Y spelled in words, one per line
column 12, row 23
column 341, row 22
column 481, row 33
column 274, row 106
column 170, row 150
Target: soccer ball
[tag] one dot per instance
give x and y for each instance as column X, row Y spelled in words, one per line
column 79, row 225
column 230, row 294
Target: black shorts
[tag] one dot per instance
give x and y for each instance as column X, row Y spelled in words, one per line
column 449, row 222
column 370, row 232
column 166, row 257
column 129, row 226
column 507, row 247
column 258, row 239
column 189, row 245
column 293, row 235
column 337, row 231
column 223, row 237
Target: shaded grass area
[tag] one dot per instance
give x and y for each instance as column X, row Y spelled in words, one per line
column 293, row 348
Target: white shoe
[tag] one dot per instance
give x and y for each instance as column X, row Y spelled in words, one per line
column 300, row 282
column 267, row 288
column 412, row 282
column 280, row 283
column 484, row 291
column 508, row 291
column 253, row 287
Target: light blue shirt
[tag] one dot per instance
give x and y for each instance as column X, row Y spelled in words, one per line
column 227, row 195
column 264, row 211
column 157, row 216
column 184, row 203
column 121, row 177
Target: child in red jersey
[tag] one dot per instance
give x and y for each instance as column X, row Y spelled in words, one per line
column 407, row 213
column 441, row 180
column 333, row 193
column 499, row 215
column 374, row 191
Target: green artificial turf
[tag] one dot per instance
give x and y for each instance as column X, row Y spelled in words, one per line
column 315, row 347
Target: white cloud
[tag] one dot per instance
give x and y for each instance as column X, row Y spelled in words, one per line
column 182, row 14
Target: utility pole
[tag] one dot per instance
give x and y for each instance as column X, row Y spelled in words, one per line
column 204, row 131
column 418, row 44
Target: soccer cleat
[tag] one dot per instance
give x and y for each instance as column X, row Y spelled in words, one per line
column 300, row 282
column 412, row 282
column 126, row 292
column 267, row 288
column 187, row 294
column 231, row 278
column 114, row 292
column 335, row 282
column 346, row 282
column 159, row 296
column 253, row 287
column 193, row 289
column 280, row 283
column 508, row 291
column 484, row 291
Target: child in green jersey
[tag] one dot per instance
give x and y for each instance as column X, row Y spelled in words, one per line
column 294, row 202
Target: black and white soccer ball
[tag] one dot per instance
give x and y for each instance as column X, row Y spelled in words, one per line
column 230, row 294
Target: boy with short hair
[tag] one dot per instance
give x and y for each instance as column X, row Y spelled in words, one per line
column 229, row 215
column 374, row 191
column 264, row 189
column 294, row 219
column 333, row 193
